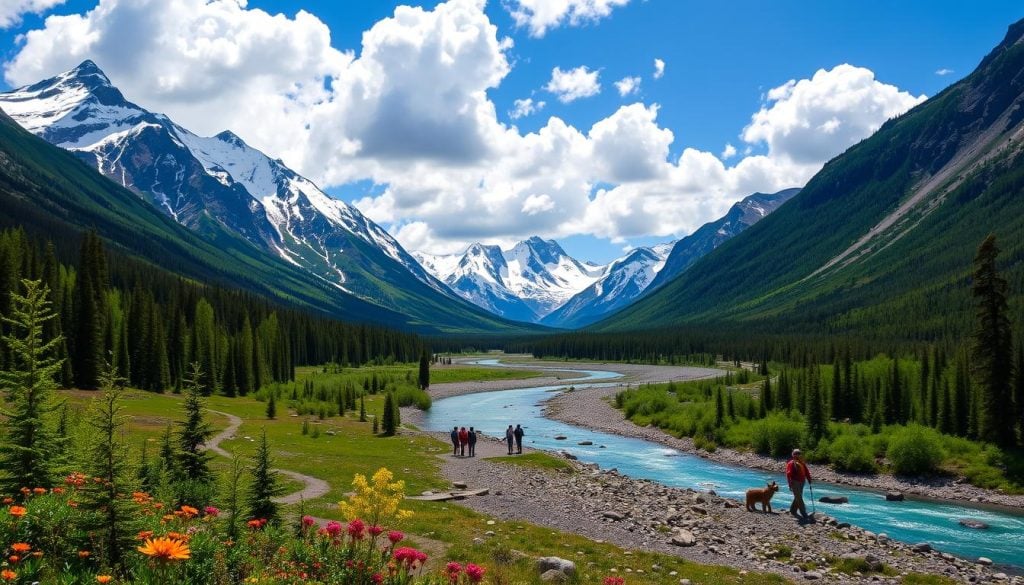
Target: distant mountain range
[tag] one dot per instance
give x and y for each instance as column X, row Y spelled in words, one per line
column 881, row 240
column 537, row 281
column 227, row 192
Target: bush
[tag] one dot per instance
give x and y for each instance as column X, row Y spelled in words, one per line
column 915, row 450
column 852, row 453
column 777, row 435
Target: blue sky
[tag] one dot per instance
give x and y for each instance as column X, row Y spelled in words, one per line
column 721, row 59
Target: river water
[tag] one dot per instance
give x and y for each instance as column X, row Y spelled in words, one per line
column 911, row 521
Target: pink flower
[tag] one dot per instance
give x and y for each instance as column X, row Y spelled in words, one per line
column 453, row 569
column 474, row 572
column 333, row 528
column 395, row 537
column 614, row 581
column 377, row 578
column 409, row 557
column 308, row 521
column 356, row 529
column 375, row 531
column 211, row 511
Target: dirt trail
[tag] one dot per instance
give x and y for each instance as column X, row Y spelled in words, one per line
column 314, row 487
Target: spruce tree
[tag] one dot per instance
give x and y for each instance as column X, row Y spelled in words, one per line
column 30, row 446
column 424, row 372
column 719, row 408
column 362, row 409
column 388, row 420
column 265, row 485
column 766, row 394
column 271, row 407
column 1018, row 388
column 112, row 519
column 233, row 497
column 193, row 462
column 815, row 409
column 992, row 358
column 90, row 310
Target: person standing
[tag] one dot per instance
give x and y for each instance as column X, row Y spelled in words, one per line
column 510, row 437
column 455, row 441
column 518, row 433
column 463, row 440
column 797, row 473
column 472, row 442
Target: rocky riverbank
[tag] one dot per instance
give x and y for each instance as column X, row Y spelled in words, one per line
column 702, row 527
column 592, row 408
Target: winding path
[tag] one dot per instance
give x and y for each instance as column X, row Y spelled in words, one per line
column 314, row 487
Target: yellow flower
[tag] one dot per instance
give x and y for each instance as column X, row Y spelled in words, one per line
column 376, row 501
column 165, row 549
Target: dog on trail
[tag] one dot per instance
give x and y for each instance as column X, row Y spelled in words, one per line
column 762, row 495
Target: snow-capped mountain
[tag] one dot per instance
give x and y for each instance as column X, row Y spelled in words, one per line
column 524, row 283
column 623, row 281
column 743, row 214
column 217, row 184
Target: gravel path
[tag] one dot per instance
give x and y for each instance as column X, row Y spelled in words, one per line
column 313, row 487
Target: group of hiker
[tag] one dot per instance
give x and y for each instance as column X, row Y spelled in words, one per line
column 461, row 438
column 464, row 440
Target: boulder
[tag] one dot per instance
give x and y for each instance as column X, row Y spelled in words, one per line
column 564, row 566
column 460, row 485
column 561, row 438
column 985, row 561
column 613, row 515
column 553, row 576
column 683, row 537
column 585, row 443
column 812, row 575
column 894, row 496
column 834, row 500
column 921, row 547
column 972, row 523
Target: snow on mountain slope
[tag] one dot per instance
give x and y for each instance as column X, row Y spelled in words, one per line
column 535, row 278
column 223, row 188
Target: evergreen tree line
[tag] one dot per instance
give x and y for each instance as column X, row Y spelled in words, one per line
column 151, row 324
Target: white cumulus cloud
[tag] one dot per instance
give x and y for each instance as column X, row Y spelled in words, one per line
column 525, row 107
column 540, row 16
column 409, row 110
column 659, row 68
column 11, row 11
column 573, row 84
column 943, row 72
column 628, row 85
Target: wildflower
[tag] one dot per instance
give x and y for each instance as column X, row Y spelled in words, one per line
column 8, row 575
column 614, row 581
column 14, row 559
column 453, row 569
column 212, row 511
column 475, row 573
column 8, row 501
column 356, row 528
column 165, row 549
column 409, row 557
column 308, row 521
column 57, row 490
column 256, row 523
column 377, row 500
column 37, row 554
column 375, row 530
column 144, row 534
column 178, row 536
column 333, row 528
column 395, row 537
column 17, row 511
column 140, row 497
column 25, row 491
column 84, row 554
column 187, row 512
column 104, row 578
column 21, row 547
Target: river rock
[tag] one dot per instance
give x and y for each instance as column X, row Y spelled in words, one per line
column 613, row 515
column 558, row 564
column 683, row 537
column 553, row 576
column 894, row 496
column 560, row 437
column 921, row 547
column 812, row 575
column 459, row 485
column 834, row 500
column 585, row 443
column 972, row 523
column 985, row 561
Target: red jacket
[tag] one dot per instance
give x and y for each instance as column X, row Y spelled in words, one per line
column 463, row 436
column 797, row 471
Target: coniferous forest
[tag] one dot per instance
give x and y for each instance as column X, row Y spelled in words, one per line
column 150, row 324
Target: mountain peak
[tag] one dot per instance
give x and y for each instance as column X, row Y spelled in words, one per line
column 231, row 138
column 88, row 74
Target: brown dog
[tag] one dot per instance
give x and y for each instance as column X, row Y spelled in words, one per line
column 763, row 495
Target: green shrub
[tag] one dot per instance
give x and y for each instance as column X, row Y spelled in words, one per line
column 777, row 435
column 915, row 450
column 852, row 453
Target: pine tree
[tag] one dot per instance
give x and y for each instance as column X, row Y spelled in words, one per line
column 233, row 497
column 992, row 358
column 193, row 463
column 1018, row 388
column 265, row 485
column 961, row 406
column 271, row 407
column 112, row 520
column 29, row 448
column 424, row 373
column 90, row 310
column 719, row 408
column 362, row 409
column 815, row 409
column 388, row 420
column 766, row 394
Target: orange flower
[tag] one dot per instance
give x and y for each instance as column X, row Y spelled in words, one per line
column 14, row 558
column 83, row 554
column 144, row 534
column 25, row 491
column 17, row 511
column 8, row 575
column 104, row 578
column 58, row 490
column 39, row 491
column 165, row 549
column 8, row 501
column 21, row 547
column 37, row 554
column 187, row 512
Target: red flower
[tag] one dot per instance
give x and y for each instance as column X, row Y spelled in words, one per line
column 453, row 569
column 475, row 573
column 356, row 529
column 308, row 521
column 614, row 581
column 333, row 528
column 409, row 557
column 395, row 537
column 375, row 531
column 212, row 511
